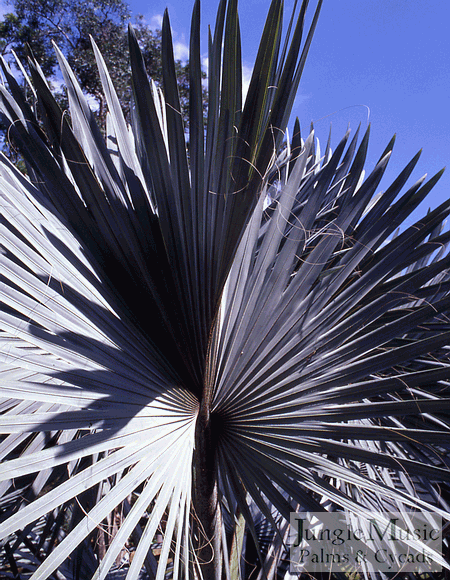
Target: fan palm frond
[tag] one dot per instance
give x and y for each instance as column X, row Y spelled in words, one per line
column 197, row 337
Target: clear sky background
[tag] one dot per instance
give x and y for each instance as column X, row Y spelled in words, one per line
column 386, row 59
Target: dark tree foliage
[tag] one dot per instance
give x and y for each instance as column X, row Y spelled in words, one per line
column 34, row 24
column 17, row 32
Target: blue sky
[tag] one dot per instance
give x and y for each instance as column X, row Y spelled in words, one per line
column 386, row 60
column 389, row 57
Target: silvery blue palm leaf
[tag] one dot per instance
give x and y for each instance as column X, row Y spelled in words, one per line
column 201, row 334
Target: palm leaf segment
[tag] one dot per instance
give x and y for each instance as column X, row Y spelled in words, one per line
column 249, row 298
